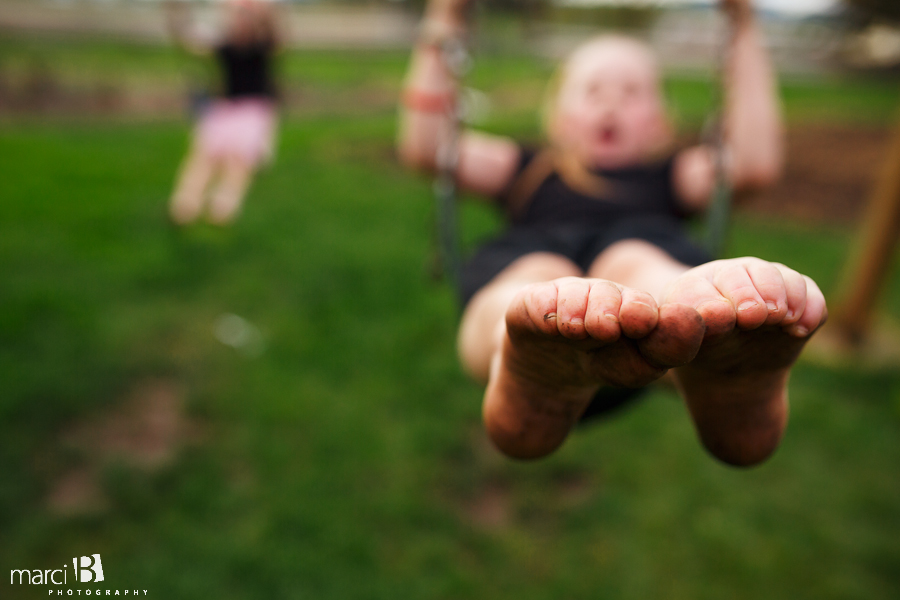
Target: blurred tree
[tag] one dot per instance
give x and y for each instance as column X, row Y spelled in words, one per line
column 628, row 18
column 517, row 6
column 885, row 9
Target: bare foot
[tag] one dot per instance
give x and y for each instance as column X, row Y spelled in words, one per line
column 183, row 211
column 566, row 338
column 758, row 316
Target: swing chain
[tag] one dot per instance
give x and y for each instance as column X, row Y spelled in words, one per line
column 457, row 60
column 719, row 214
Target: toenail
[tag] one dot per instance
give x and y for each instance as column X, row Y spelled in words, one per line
column 747, row 304
column 799, row 331
column 612, row 317
column 771, row 306
column 716, row 302
column 549, row 316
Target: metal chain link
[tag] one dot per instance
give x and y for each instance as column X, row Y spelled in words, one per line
column 719, row 213
column 458, row 61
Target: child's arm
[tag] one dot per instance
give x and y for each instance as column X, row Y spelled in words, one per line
column 486, row 163
column 179, row 24
column 277, row 19
column 754, row 137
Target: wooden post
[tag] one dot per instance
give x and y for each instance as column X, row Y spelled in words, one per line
column 877, row 239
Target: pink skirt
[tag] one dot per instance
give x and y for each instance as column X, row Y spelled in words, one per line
column 242, row 127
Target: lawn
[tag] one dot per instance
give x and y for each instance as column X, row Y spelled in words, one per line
column 343, row 456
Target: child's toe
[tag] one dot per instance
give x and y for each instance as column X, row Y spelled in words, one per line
column 602, row 317
column 815, row 311
column 677, row 337
column 533, row 310
column 769, row 283
column 699, row 293
column 639, row 313
column 795, row 287
column 733, row 281
column 571, row 306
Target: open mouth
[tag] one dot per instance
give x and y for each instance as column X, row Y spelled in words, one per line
column 608, row 134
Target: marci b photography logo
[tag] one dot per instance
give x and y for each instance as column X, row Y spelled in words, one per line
column 91, row 570
column 87, row 569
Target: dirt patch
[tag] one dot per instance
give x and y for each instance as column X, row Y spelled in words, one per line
column 145, row 431
column 491, row 508
column 478, row 490
column 492, row 495
column 77, row 492
column 829, row 174
column 574, row 490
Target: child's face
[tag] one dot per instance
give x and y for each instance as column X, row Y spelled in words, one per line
column 609, row 111
column 240, row 26
column 245, row 20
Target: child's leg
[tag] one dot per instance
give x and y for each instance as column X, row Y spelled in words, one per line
column 187, row 198
column 229, row 194
column 565, row 338
column 637, row 264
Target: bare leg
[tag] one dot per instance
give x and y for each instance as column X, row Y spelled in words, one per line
column 637, row 264
column 229, row 195
column 196, row 172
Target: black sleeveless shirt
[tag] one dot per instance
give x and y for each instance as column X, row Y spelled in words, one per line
column 247, row 70
column 640, row 190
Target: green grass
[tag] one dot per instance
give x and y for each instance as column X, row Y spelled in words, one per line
column 347, row 461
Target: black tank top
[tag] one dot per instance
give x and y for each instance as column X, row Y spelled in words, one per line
column 246, row 70
column 627, row 192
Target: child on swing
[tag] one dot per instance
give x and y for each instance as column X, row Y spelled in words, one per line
column 235, row 133
column 595, row 287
